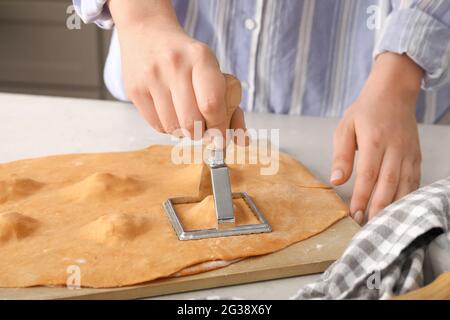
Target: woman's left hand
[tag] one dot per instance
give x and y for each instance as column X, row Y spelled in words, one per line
column 381, row 125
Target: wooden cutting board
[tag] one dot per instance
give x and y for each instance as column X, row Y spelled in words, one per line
column 313, row 255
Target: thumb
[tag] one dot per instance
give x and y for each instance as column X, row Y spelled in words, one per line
column 343, row 153
column 209, row 87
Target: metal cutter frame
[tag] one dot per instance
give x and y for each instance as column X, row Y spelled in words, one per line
column 223, row 203
column 214, row 233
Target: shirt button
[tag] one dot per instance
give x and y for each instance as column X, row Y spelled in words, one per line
column 244, row 85
column 250, row 24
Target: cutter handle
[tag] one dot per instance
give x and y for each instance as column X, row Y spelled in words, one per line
column 232, row 95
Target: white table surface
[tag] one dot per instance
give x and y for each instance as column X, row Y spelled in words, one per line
column 34, row 126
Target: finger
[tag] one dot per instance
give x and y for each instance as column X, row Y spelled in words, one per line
column 144, row 103
column 359, row 217
column 367, row 170
column 408, row 179
column 209, row 87
column 186, row 109
column 165, row 109
column 344, row 153
column 387, row 182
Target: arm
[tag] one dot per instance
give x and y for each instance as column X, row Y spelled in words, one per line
column 173, row 79
column 414, row 49
column 381, row 125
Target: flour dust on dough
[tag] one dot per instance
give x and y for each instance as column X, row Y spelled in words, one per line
column 103, row 213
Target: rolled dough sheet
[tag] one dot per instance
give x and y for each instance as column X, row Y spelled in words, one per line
column 103, row 213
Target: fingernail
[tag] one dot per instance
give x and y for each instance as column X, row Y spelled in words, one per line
column 358, row 216
column 337, row 175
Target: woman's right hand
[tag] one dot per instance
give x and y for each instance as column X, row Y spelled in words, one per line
column 173, row 79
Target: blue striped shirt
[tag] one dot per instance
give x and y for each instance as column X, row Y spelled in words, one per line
column 308, row 57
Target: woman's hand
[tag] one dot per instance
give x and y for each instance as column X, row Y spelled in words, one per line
column 381, row 125
column 173, row 79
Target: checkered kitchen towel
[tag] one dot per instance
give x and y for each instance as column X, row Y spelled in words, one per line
column 386, row 257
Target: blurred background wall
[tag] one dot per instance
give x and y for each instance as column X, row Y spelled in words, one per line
column 45, row 50
column 39, row 54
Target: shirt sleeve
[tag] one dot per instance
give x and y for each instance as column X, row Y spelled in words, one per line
column 421, row 30
column 94, row 11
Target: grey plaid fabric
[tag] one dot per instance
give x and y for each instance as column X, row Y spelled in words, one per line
column 437, row 258
column 386, row 257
